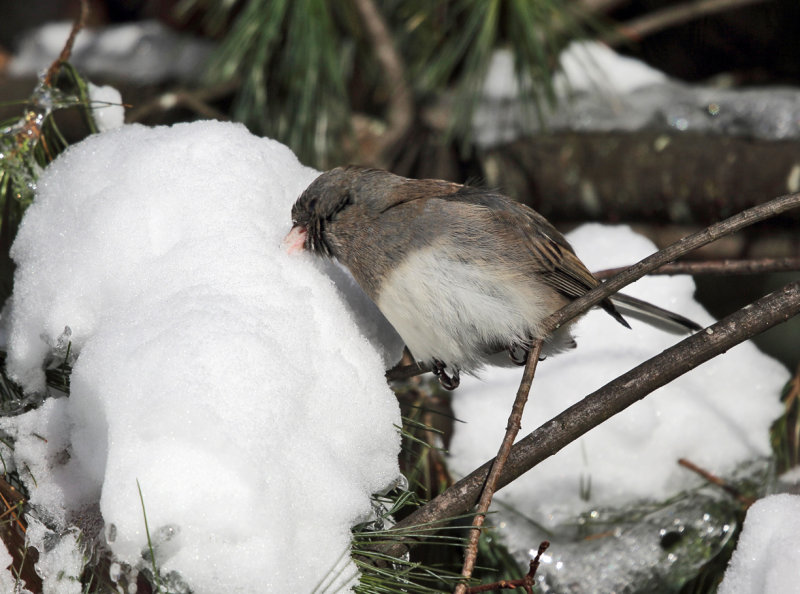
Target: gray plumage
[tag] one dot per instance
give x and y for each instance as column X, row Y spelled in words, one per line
column 460, row 272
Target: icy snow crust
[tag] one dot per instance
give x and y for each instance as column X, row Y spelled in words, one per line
column 227, row 377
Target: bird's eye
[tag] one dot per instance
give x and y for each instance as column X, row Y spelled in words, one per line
column 312, row 204
column 344, row 201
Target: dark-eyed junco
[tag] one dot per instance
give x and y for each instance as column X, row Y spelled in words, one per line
column 461, row 272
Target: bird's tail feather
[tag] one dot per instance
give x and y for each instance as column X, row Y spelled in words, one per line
column 652, row 314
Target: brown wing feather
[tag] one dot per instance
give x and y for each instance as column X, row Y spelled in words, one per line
column 554, row 257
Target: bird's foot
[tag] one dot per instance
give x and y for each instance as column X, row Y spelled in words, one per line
column 448, row 382
column 518, row 353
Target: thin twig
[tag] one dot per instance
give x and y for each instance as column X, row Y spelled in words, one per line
column 594, row 409
column 600, row 6
column 727, row 267
column 526, row 582
column 512, row 429
column 66, row 51
column 400, row 112
column 12, row 509
column 403, row 372
column 658, row 20
column 721, row 483
column 198, row 100
column 24, row 558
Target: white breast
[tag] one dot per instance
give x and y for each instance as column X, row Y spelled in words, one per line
column 451, row 310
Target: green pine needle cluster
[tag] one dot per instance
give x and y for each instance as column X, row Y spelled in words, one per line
column 304, row 66
column 292, row 61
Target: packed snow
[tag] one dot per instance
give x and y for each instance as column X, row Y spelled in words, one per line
column 767, row 556
column 226, row 379
column 718, row 415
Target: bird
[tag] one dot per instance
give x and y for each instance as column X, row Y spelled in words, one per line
column 461, row 272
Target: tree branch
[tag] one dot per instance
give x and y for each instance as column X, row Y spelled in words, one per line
column 197, row 100
column 526, row 583
column 614, row 397
column 721, row 483
column 66, row 51
column 572, row 176
column 725, row 267
column 599, row 6
column 400, row 112
column 671, row 16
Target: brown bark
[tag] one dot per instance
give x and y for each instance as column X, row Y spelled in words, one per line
column 645, row 176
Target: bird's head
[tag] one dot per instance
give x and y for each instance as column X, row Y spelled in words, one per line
column 317, row 207
column 332, row 196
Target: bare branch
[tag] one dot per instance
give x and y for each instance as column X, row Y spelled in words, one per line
column 588, row 175
column 403, row 372
column 400, row 113
column 614, row 397
column 721, row 483
column 526, row 582
column 66, row 51
column 600, row 6
column 725, row 267
column 12, row 534
column 671, row 16
column 512, row 429
column 197, row 100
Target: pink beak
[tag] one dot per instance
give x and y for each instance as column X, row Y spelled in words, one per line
column 295, row 239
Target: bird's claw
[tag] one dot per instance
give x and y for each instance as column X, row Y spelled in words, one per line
column 448, row 382
column 518, row 354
